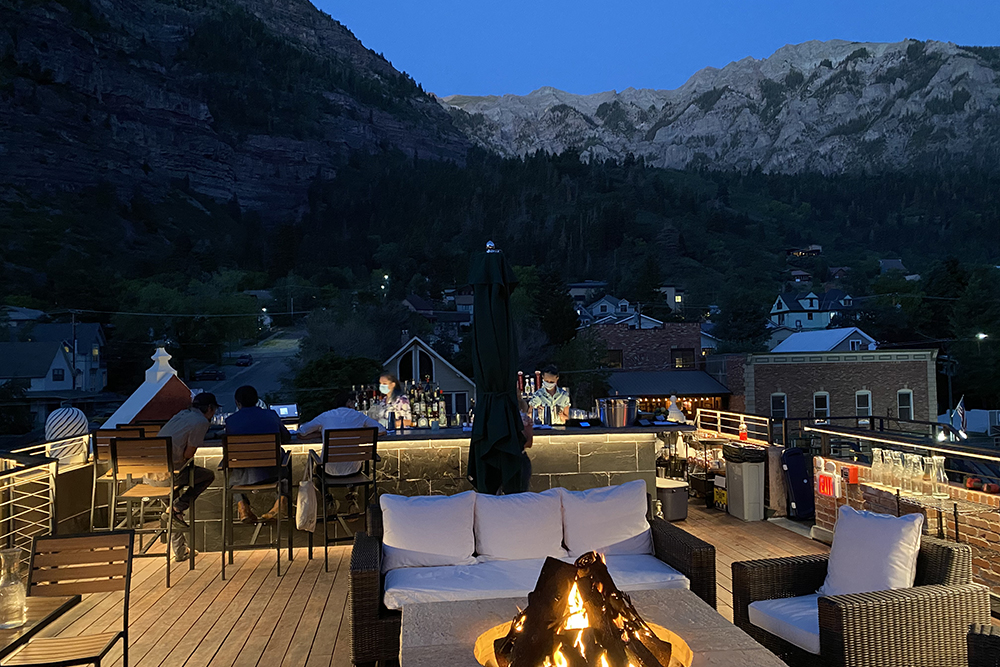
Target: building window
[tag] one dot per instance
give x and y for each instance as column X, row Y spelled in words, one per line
column 821, row 405
column 781, row 318
column 683, row 358
column 798, row 324
column 604, row 309
column 904, row 401
column 810, row 316
column 404, row 370
column 426, row 367
column 779, row 409
column 615, row 359
column 95, row 350
column 863, row 403
column 855, row 345
column 58, row 375
column 623, row 308
column 678, row 298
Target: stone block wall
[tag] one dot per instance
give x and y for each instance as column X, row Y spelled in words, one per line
column 981, row 531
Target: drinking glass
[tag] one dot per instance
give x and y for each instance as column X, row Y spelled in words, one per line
column 13, row 612
column 897, row 470
column 940, row 478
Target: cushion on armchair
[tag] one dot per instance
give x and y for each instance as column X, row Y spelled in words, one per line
column 610, row 519
column 427, row 531
column 796, row 620
column 519, row 526
column 872, row 552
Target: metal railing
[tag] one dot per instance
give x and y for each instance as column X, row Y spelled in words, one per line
column 759, row 430
column 27, row 498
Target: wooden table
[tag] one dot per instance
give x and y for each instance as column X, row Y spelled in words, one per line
column 41, row 612
column 441, row 634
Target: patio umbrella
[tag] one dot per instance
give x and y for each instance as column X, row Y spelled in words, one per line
column 497, row 431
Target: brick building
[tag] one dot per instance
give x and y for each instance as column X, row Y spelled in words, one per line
column 677, row 345
column 898, row 383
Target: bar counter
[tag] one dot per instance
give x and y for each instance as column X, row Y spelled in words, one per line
column 434, row 462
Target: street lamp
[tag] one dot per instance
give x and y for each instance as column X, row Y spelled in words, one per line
column 981, row 336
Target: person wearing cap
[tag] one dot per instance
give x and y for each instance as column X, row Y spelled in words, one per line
column 551, row 395
column 187, row 431
column 252, row 419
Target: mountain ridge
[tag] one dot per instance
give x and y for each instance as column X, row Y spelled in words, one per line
column 829, row 107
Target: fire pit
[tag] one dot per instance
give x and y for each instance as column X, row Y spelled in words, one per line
column 577, row 617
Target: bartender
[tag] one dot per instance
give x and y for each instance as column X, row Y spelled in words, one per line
column 551, row 395
column 393, row 400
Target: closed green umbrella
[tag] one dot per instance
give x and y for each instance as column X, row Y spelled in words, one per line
column 497, row 431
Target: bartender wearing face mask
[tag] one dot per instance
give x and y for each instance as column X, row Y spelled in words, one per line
column 393, row 399
column 551, row 395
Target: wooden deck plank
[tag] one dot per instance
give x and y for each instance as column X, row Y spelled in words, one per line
column 333, row 639
column 310, row 624
column 259, row 635
column 285, row 630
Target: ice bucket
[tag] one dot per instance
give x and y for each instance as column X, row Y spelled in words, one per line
column 617, row 412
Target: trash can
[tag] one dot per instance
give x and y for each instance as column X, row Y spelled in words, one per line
column 745, row 484
column 673, row 497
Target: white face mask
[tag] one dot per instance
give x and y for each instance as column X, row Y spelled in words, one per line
column 384, row 389
column 548, row 385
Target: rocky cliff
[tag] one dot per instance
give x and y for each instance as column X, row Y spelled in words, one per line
column 830, row 107
column 245, row 98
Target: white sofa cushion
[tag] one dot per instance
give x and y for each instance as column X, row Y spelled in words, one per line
column 872, row 552
column 519, row 526
column 514, row 579
column 426, row 531
column 608, row 519
column 796, row 620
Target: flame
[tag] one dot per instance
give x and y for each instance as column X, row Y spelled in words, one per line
column 560, row 659
column 577, row 619
column 604, row 660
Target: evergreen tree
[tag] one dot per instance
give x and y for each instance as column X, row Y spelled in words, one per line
column 554, row 308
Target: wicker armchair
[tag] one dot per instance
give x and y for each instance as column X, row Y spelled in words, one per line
column 984, row 646
column 923, row 625
column 375, row 629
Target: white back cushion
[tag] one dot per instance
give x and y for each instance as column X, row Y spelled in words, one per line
column 872, row 552
column 519, row 526
column 610, row 519
column 421, row 531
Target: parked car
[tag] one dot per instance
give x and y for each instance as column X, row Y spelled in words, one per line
column 209, row 375
column 244, row 360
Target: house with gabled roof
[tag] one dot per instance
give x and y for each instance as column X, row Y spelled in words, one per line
column 809, row 310
column 416, row 360
column 848, row 339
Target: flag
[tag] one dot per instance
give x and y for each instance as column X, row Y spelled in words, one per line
column 960, row 413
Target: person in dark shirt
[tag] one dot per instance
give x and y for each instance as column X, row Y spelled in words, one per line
column 251, row 419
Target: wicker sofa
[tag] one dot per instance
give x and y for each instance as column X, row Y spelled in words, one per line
column 375, row 629
column 923, row 625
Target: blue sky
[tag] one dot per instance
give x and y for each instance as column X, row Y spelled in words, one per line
column 515, row 46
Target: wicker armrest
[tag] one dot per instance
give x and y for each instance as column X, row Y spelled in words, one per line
column 374, row 629
column 375, row 520
column 867, row 628
column 689, row 555
column 774, row 578
column 944, row 563
column 984, row 646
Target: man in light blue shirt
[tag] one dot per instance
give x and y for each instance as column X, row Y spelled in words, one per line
column 551, row 395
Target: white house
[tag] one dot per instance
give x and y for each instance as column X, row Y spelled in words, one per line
column 417, row 360
column 809, row 310
column 41, row 367
column 91, row 366
column 608, row 305
column 849, row 339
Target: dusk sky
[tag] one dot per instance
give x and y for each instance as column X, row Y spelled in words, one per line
column 586, row 46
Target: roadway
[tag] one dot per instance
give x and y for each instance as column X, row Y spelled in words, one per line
column 270, row 364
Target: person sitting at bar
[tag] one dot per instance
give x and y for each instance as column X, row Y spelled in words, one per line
column 187, row 431
column 551, row 395
column 251, row 419
column 343, row 415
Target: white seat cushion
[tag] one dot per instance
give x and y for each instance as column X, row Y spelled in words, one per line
column 514, row 579
column 796, row 620
column 872, row 552
column 422, row 531
column 609, row 519
column 519, row 526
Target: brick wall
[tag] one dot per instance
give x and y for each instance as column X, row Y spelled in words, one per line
column 649, row 349
column 799, row 376
column 981, row 531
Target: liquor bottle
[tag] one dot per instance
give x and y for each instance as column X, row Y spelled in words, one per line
column 442, row 407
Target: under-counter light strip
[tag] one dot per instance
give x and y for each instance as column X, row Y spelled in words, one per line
column 900, row 443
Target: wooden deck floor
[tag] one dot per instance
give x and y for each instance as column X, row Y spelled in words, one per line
column 736, row 540
column 252, row 618
column 297, row 620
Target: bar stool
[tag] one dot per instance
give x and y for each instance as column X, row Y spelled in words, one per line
column 101, row 455
column 253, row 451
column 344, row 445
column 134, row 458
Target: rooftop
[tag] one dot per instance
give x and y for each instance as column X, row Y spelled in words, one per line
column 664, row 383
column 822, row 340
column 27, row 360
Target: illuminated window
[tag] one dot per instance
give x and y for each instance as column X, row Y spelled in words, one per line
column 678, row 298
column 863, row 403
column 904, row 402
column 683, row 358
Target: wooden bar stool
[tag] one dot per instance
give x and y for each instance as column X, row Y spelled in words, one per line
column 343, row 445
column 100, row 457
column 133, row 459
column 77, row 565
column 253, row 451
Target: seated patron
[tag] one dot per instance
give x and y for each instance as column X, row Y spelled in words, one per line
column 343, row 415
column 251, row 419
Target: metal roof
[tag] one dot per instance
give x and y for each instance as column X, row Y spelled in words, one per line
column 821, row 340
column 664, row 383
